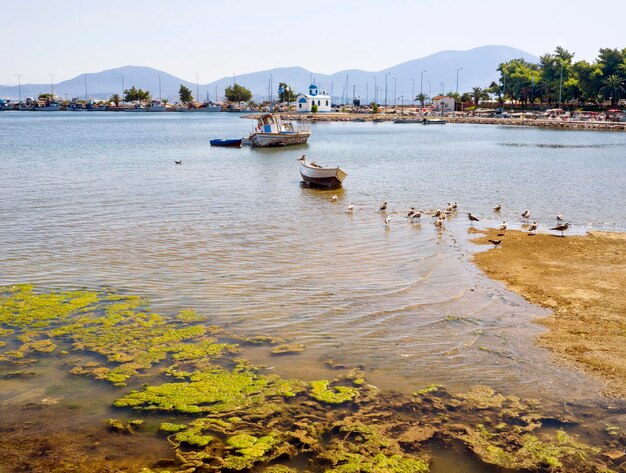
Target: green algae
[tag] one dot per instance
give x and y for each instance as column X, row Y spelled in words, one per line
column 171, row 428
column 129, row 427
column 428, row 389
column 193, row 438
column 335, row 395
column 285, row 349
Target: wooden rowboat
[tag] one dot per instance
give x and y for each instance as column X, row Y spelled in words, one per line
column 236, row 143
column 320, row 176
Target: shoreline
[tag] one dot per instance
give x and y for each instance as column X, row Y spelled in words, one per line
column 531, row 122
column 581, row 280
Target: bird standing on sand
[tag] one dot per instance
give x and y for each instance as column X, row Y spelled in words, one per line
column 495, row 242
column 526, row 214
column 383, row 206
column 497, row 208
column 532, row 228
column 561, row 228
column 502, row 226
column 472, row 218
column 411, row 212
column 387, row 220
column 350, row 207
column 178, row 162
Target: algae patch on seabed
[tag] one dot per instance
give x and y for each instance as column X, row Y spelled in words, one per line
column 227, row 415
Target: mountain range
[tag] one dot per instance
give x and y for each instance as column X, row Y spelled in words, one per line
column 475, row 67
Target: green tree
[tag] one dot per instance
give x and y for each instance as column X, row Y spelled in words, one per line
column 184, row 93
column 495, row 89
column 613, row 88
column 45, row 97
column 314, row 108
column 611, row 61
column 287, row 94
column 237, row 93
column 421, row 98
column 133, row 94
column 115, row 98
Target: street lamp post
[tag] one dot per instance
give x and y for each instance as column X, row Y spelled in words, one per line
column 412, row 90
column 395, row 96
column 457, row 79
column 19, row 85
column 422, row 82
column 375, row 91
column 386, row 87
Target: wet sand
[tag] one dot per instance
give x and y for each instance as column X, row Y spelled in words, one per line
column 582, row 280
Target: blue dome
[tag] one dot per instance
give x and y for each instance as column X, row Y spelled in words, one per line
column 302, row 100
column 312, row 86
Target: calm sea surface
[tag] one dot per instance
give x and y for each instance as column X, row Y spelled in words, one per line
column 95, row 200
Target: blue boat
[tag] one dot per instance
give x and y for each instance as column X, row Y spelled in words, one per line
column 227, row 143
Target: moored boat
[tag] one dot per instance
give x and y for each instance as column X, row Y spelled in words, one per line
column 321, row 176
column 408, row 120
column 232, row 143
column 434, row 121
column 271, row 130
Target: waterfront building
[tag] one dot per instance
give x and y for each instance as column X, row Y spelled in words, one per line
column 305, row 101
column 443, row 103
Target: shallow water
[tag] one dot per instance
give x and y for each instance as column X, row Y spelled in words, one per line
column 95, row 200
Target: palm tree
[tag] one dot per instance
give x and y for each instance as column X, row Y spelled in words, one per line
column 421, row 98
column 478, row 94
column 613, row 87
column 115, row 98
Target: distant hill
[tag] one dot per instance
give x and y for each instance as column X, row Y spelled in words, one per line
column 479, row 69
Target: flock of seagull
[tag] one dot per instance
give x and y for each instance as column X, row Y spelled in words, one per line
column 451, row 208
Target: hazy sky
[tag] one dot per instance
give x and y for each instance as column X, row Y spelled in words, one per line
column 217, row 38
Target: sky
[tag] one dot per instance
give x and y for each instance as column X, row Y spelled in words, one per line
column 218, row 38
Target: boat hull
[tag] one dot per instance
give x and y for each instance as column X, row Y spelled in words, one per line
column 328, row 178
column 226, row 143
column 267, row 140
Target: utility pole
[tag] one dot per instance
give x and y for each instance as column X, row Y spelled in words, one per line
column 197, row 88
column 386, row 87
column 422, row 82
column 19, row 85
column 395, row 96
column 457, row 79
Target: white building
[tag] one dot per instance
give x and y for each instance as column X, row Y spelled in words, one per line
column 443, row 103
column 304, row 102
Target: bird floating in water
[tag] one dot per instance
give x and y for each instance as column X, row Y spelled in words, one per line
column 561, row 228
column 437, row 213
column 333, row 198
column 533, row 227
column 526, row 214
column 383, row 206
column 495, row 242
column 178, row 162
column 454, row 206
column 416, row 215
column 502, row 226
column 410, row 212
column 472, row 218
column 350, row 207
column 497, row 208
column 387, row 220
column 439, row 222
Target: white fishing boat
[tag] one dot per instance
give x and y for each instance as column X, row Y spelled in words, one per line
column 271, row 130
column 316, row 175
column 155, row 106
column 51, row 106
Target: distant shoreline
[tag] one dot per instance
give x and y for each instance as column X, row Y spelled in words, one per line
column 540, row 123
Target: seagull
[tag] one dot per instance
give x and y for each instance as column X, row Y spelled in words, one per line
column 559, row 217
column 333, row 198
column 437, row 213
column 561, row 228
column 417, row 214
column 411, row 212
column 350, row 207
column 497, row 208
column 502, row 226
column 472, row 218
column 439, row 223
column 495, row 242
column 383, row 206
column 526, row 214
column 178, row 162
column 454, row 206
column 533, row 227
column 449, row 207
column 387, row 220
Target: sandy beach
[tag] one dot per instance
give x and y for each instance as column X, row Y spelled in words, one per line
column 582, row 280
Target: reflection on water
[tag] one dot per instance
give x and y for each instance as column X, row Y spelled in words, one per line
column 96, row 200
